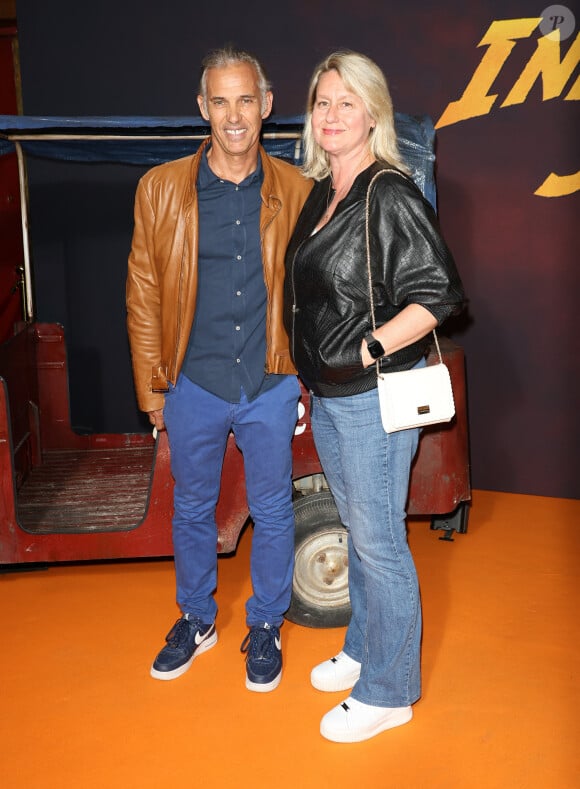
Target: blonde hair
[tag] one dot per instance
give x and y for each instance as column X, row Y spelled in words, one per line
column 365, row 79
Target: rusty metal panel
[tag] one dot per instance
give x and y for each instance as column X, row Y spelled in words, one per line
column 440, row 478
column 109, row 496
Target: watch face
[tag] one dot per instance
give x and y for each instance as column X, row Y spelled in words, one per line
column 376, row 350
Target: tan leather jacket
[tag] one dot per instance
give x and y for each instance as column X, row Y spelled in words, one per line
column 162, row 274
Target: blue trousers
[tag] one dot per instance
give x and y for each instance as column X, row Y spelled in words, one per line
column 198, row 424
column 368, row 473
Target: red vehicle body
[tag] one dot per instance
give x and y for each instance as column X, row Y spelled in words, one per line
column 66, row 496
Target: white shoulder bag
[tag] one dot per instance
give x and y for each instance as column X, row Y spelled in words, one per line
column 410, row 398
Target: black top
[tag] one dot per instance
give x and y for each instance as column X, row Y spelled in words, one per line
column 327, row 303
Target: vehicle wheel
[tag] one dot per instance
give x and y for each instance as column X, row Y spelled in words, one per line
column 320, row 585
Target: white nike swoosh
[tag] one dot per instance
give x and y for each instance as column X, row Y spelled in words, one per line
column 199, row 637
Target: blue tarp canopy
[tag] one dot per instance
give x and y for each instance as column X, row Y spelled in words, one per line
column 153, row 140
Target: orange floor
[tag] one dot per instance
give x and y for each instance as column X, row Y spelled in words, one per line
column 500, row 672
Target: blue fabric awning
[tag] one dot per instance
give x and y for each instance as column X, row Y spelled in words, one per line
column 152, row 140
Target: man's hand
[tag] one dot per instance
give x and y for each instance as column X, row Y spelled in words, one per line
column 156, row 419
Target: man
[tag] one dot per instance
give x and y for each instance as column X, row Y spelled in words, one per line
column 210, row 354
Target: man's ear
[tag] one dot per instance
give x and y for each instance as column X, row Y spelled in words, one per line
column 202, row 108
column 267, row 106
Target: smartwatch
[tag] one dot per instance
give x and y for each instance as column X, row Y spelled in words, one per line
column 376, row 350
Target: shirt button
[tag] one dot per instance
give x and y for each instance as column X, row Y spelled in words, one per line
column 238, row 361
column 238, row 222
column 237, row 328
column 238, row 292
column 238, row 257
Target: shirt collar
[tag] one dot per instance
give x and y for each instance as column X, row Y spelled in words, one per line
column 206, row 176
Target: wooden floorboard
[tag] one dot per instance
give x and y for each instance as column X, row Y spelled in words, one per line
column 87, row 490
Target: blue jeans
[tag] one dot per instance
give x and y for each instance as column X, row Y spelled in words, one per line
column 198, row 424
column 368, row 473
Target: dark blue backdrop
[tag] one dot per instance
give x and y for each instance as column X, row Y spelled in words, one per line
column 515, row 248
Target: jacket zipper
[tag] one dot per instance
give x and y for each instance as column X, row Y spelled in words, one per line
column 275, row 212
column 179, row 306
column 295, row 308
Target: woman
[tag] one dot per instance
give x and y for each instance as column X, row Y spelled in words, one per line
column 349, row 137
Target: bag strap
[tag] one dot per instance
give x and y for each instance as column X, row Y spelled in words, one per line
column 368, row 250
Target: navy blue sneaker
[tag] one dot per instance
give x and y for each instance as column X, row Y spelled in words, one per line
column 187, row 639
column 263, row 649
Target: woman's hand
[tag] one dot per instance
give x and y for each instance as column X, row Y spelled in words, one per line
column 366, row 358
column 409, row 326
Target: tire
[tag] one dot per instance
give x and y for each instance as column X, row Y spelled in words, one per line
column 320, row 586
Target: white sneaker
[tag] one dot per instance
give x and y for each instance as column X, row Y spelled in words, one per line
column 339, row 673
column 353, row 721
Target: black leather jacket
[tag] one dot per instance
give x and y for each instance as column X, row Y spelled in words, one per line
column 327, row 306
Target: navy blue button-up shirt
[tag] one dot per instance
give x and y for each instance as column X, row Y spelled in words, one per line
column 227, row 345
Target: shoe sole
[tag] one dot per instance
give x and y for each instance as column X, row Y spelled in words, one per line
column 177, row 672
column 332, row 685
column 263, row 687
column 347, row 736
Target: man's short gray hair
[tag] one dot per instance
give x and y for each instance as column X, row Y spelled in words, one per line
column 230, row 56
